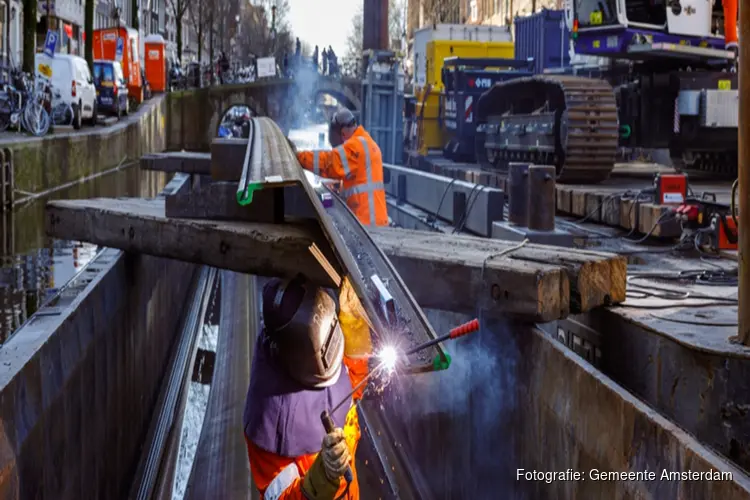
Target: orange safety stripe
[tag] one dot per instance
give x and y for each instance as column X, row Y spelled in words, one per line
column 730, row 21
column 267, row 467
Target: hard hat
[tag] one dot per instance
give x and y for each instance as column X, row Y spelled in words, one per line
column 340, row 119
column 303, row 331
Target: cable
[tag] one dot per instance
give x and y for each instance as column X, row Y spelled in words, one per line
column 671, row 306
column 693, row 323
column 501, row 254
column 469, row 205
column 433, row 217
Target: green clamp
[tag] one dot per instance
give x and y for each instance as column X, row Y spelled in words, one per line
column 441, row 362
column 245, row 197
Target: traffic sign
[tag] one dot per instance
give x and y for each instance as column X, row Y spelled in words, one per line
column 119, row 49
column 50, row 43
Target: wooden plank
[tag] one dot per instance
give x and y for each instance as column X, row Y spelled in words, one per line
column 139, row 225
column 593, row 278
column 654, row 219
column 451, row 272
column 611, row 209
column 218, row 201
column 179, row 161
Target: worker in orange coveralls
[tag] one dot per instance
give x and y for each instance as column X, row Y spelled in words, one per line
column 730, row 24
column 307, row 359
column 356, row 161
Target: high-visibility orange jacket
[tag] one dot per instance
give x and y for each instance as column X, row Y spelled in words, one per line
column 359, row 165
column 730, row 22
column 267, row 467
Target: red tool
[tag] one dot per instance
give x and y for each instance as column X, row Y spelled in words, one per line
column 671, row 189
column 724, row 233
column 459, row 331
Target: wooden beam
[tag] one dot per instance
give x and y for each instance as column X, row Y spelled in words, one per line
column 180, row 161
column 139, row 225
column 591, row 279
column 450, row 272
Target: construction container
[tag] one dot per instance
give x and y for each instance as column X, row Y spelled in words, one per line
column 156, row 65
column 383, row 104
column 438, row 50
column 543, row 36
column 454, row 32
column 430, row 136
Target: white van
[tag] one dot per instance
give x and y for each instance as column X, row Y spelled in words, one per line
column 71, row 76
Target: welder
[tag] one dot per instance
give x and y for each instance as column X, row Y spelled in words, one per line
column 355, row 160
column 307, row 356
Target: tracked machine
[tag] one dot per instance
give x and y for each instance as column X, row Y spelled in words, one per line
column 670, row 84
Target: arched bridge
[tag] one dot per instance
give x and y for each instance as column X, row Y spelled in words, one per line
column 194, row 115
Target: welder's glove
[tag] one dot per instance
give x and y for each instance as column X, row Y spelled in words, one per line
column 323, row 479
column 357, row 341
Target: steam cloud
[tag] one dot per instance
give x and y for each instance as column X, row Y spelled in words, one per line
column 461, row 422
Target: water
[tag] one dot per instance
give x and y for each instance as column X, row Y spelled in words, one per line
column 34, row 266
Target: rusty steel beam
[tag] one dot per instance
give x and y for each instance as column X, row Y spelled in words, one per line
column 743, row 308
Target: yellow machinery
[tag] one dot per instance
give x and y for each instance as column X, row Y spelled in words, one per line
column 430, row 135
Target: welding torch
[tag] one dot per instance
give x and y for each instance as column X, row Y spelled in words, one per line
column 459, row 331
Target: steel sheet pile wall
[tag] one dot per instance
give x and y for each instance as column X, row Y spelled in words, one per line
column 78, row 389
column 514, row 398
column 545, row 38
column 383, row 104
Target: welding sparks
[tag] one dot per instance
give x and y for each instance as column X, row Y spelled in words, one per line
column 388, row 357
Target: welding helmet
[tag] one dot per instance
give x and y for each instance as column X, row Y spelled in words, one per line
column 302, row 331
column 341, row 119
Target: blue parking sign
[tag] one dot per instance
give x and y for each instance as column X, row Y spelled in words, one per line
column 119, row 48
column 50, row 43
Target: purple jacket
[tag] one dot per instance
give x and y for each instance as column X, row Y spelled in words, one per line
column 282, row 416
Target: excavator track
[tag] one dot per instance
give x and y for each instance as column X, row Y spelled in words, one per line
column 566, row 121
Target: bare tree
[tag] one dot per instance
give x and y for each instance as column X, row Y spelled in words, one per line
column 179, row 8
column 396, row 28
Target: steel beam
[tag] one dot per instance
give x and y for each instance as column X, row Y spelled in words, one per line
column 180, row 161
column 471, row 207
column 228, row 158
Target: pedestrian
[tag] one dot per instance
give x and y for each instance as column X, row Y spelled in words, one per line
column 357, row 162
column 307, row 358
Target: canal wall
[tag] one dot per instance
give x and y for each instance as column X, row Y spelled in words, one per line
column 79, row 381
column 514, row 398
column 42, row 163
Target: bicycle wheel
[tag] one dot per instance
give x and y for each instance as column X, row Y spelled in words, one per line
column 37, row 119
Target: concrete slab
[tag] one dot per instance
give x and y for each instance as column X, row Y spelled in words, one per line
column 511, row 232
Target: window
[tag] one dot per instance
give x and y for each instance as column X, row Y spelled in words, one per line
column 104, row 73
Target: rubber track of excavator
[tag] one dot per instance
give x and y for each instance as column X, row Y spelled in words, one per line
column 590, row 145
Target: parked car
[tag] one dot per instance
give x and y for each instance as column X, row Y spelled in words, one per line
column 71, row 76
column 111, row 88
